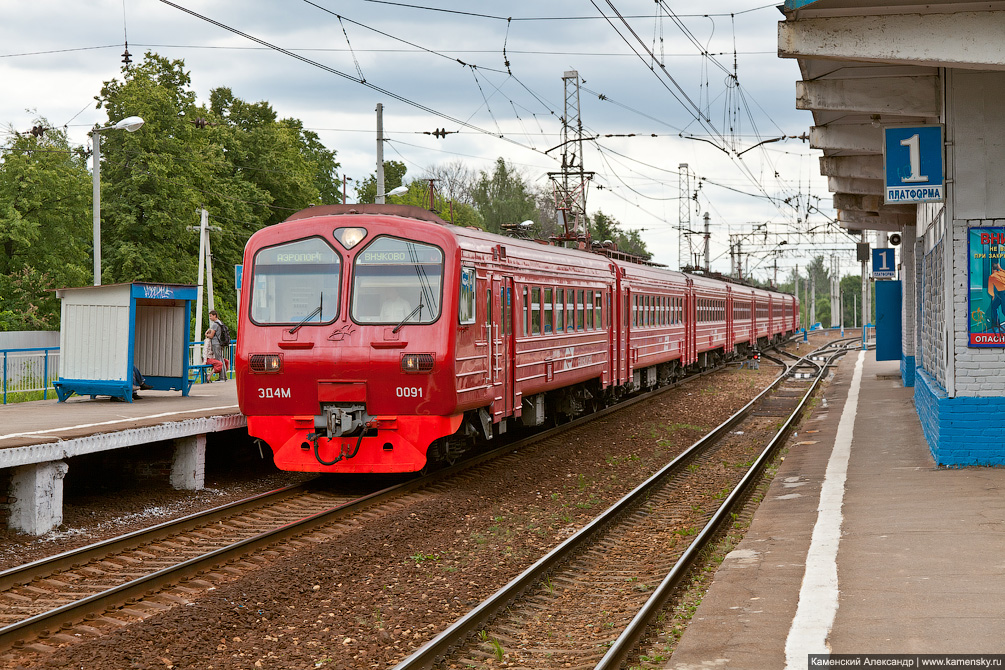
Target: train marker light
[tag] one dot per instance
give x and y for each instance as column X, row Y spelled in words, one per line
column 349, row 237
column 265, row 363
column 416, row 363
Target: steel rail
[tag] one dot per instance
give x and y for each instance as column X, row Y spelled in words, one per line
column 430, row 653
column 25, row 574
column 75, row 611
column 625, row 646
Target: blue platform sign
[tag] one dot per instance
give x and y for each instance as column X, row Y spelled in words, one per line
column 884, row 264
column 238, row 278
column 913, row 164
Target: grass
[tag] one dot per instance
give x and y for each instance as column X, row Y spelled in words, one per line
column 29, row 396
column 419, row 558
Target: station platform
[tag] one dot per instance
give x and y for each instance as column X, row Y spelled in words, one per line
column 861, row 545
column 48, row 421
column 36, row 439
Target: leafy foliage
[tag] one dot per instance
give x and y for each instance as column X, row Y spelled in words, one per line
column 45, row 227
column 394, row 176
column 503, row 197
column 236, row 159
column 604, row 228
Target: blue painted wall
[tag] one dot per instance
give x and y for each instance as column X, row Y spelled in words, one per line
column 960, row 431
column 907, row 370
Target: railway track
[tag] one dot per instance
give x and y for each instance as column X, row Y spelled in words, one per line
column 588, row 603
column 111, row 583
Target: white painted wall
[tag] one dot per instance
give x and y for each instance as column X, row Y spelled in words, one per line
column 94, row 332
column 976, row 160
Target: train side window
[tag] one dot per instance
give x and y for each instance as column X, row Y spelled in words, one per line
column 535, row 311
column 548, row 310
column 598, row 310
column 589, row 310
column 466, row 304
column 635, row 311
column 504, row 295
column 488, row 306
column 526, row 312
column 579, row 310
column 560, row 310
column 570, row 310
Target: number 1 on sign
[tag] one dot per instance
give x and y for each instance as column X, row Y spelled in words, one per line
column 913, row 144
column 882, row 259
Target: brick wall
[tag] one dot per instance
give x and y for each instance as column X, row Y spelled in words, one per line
column 931, row 354
column 960, row 431
column 979, row 371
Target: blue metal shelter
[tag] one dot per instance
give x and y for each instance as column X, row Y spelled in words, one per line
column 107, row 332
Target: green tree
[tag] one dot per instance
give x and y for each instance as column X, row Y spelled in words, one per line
column 233, row 158
column 503, row 197
column 394, row 176
column 45, row 227
column 457, row 213
column 605, row 228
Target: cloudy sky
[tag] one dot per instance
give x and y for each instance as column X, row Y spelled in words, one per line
column 491, row 74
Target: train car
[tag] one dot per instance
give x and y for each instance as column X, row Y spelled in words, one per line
column 377, row 338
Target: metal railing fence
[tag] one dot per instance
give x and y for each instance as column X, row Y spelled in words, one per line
column 27, row 372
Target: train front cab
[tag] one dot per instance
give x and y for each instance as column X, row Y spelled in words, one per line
column 345, row 361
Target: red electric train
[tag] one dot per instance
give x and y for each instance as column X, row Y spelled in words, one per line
column 375, row 338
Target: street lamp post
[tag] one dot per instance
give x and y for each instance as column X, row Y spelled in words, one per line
column 130, row 124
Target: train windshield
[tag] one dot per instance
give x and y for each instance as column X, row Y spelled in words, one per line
column 296, row 283
column 397, row 281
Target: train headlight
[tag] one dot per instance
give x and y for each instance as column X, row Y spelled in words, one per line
column 416, row 363
column 266, row 363
column 349, row 237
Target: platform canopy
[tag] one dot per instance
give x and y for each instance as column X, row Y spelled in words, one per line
column 867, row 65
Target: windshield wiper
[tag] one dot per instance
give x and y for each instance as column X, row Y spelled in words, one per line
column 410, row 315
column 309, row 316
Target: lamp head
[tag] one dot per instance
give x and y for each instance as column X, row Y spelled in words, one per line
column 130, row 124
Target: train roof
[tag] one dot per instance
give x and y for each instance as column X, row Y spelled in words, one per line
column 529, row 249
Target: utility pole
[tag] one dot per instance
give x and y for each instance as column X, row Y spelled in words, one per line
column 835, row 290
column 707, row 237
column 684, row 216
column 205, row 269
column 813, row 299
column 209, row 266
column 203, row 236
column 795, row 290
column 865, row 291
column 571, row 182
column 380, row 154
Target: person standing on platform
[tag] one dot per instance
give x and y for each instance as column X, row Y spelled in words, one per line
column 214, row 354
column 222, row 340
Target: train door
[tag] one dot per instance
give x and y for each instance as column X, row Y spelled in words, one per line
column 730, row 339
column 628, row 323
column 501, row 347
column 771, row 316
column 615, row 326
column 690, row 327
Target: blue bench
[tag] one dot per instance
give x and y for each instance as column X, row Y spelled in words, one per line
column 202, row 372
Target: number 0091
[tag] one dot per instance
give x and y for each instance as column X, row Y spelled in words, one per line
column 408, row 391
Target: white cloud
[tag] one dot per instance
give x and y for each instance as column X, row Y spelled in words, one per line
column 60, row 85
